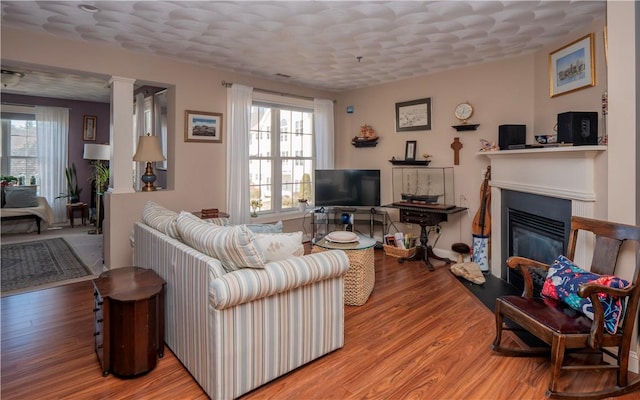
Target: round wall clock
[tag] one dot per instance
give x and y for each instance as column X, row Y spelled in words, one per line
column 463, row 112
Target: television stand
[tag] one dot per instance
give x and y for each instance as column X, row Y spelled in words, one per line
column 327, row 219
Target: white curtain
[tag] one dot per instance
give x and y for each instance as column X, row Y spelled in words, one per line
column 52, row 131
column 239, row 125
column 323, row 130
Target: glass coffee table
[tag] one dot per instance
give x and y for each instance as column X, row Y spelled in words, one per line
column 360, row 277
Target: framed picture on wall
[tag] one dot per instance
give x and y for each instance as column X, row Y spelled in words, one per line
column 200, row 126
column 89, row 127
column 572, row 67
column 414, row 115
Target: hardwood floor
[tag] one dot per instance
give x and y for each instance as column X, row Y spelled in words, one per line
column 421, row 335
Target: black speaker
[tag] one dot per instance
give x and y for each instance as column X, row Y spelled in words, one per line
column 511, row 135
column 579, row 128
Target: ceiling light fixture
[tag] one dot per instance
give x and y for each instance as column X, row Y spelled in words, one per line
column 10, row 78
column 88, row 8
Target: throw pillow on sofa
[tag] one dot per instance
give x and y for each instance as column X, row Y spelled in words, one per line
column 161, row 219
column 235, row 246
column 20, row 196
column 265, row 228
column 280, row 246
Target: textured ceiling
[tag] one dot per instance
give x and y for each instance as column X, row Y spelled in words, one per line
column 316, row 43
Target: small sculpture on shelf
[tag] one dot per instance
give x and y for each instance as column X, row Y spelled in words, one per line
column 486, row 145
column 367, row 137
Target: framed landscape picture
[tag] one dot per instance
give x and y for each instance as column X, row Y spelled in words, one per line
column 572, row 67
column 200, row 126
column 414, row 115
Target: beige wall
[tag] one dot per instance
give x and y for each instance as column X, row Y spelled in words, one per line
column 500, row 93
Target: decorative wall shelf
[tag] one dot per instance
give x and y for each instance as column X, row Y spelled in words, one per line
column 465, row 127
column 364, row 143
column 410, row 162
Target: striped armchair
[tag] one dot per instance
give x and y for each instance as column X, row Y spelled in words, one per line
column 235, row 331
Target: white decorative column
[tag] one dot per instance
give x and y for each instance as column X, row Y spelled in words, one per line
column 121, row 134
column 121, row 164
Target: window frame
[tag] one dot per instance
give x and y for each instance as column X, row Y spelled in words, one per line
column 274, row 154
column 10, row 113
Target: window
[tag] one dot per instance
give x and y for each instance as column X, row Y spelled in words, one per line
column 19, row 146
column 280, row 169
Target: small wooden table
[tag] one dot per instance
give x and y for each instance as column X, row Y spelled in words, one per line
column 129, row 320
column 84, row 212
column 425, row 215
column 221, row 214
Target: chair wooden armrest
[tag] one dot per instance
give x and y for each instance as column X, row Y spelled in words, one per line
column 591, row 290
column 526, row 264
column 585, row 290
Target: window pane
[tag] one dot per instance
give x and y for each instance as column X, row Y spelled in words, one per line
column 23, row 138
column 260, row 142
column 260, row 182
column 22, row 147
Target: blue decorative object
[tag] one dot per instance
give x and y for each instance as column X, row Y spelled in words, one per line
column 480, row 253
column 349, row 109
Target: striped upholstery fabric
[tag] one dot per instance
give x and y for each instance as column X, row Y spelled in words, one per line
column 249, row 284
column 232, row 340
column 160, row 218
column 233, row 245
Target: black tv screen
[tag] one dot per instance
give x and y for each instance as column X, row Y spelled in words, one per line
column 347, row 187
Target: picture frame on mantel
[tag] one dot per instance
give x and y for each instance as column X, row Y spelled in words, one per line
column 410, row 150
column 89, row 124
column 414, row 115
column 572, row 67
column 201, row 126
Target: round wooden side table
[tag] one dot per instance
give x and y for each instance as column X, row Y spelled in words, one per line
column 129, row 320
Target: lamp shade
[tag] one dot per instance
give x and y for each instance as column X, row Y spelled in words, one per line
column 97, row 152
column 148, row 149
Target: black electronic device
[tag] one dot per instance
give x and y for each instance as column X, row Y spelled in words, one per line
column 347, row 187
column 510, row 136
column 577, row 127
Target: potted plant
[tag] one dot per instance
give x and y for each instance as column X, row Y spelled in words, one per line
column 73, row 190
column 8, row 180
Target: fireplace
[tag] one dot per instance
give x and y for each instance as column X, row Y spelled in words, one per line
column 567, row 174
column 535, row 227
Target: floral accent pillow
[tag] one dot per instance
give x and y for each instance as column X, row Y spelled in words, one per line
column 562, row 283
column 280, row 246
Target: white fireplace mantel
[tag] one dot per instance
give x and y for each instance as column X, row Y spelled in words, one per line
column 567, row 172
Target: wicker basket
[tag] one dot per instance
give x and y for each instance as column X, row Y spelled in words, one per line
column 399, row 252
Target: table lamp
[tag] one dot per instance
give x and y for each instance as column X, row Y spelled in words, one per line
column 148, row 151
column 97, row 153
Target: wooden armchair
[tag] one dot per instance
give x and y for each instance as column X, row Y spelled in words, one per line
column 565, row 329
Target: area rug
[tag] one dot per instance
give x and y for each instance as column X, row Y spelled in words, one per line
column 39, row 264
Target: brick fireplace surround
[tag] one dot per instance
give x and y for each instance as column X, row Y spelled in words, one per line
column 575, row 173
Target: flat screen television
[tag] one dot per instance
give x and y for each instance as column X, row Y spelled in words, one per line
column 347, row 187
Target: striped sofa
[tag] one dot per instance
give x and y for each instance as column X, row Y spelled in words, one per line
column 235, row 331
